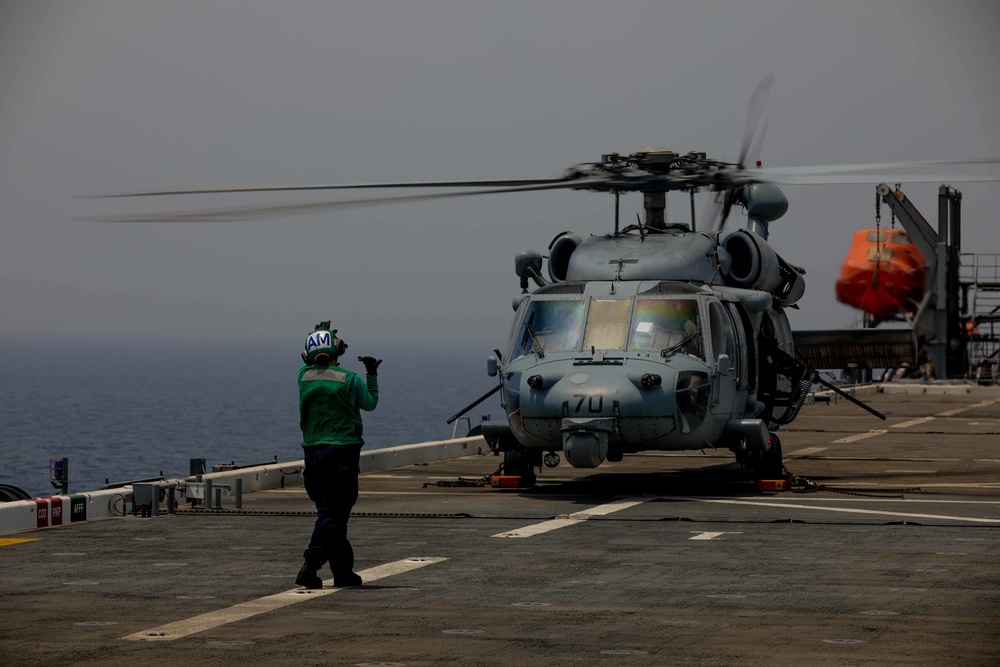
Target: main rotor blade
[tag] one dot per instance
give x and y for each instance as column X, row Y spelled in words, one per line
column 874, row 166
column 356, row 186
column 243, row 213
column 754, row 110
column 757, row 145
column 849, row 179
column 711, row 214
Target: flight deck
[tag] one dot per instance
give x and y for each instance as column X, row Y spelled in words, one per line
column 884, row 552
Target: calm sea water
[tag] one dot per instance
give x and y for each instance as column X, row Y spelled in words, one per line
column 122, row 412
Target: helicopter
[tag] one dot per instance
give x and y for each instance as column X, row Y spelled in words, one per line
column 653, row 336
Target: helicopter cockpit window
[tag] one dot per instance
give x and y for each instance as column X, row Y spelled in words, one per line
column 606, row 325
column 659, row 324
column 557, row 326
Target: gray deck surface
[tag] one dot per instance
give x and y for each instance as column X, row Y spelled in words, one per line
column 701, row 570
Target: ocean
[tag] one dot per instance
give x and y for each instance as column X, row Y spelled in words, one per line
column 122, row 411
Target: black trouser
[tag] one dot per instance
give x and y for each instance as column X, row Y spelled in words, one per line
column 331, row 479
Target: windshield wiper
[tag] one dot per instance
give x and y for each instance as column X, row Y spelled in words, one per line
column 538, row 346
column 681, row 343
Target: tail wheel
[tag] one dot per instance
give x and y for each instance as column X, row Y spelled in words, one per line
column 518, row 462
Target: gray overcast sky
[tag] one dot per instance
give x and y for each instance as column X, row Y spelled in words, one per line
column 111, row 95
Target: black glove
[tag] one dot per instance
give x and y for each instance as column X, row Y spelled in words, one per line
column 323, row 325
column 371, row 364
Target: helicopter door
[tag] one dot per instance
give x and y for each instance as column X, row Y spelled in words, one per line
column 724, row 387
column 738, row 362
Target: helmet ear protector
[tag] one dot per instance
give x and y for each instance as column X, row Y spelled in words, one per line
column 339, row 346
column 323, row 342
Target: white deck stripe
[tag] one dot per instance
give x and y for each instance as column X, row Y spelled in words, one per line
column 807, row 451
column 849, row 510
column 861, row 436
column 608, row 508
column 912, row 422
column 950, row 413
column 905, row 501
column 571, row 519
column 238, row 612
column 539, row 528
column 712, row 536
column 881, row 458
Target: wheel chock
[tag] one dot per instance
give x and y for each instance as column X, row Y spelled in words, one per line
column 772, row 485
column 505, row 481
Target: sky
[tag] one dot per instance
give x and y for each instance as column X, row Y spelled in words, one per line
column 104, row 96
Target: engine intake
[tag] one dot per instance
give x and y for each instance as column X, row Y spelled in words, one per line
column 755, row 265
column 559, row 251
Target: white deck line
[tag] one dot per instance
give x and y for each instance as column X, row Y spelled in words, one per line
column 848, row 510
column 913, row 422
column 862, row 436
column 951, row 413
column 712, row 535
column 571, row 519
column 808, row 451
column 238, row 612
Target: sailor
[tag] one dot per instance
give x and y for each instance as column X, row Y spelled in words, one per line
column 331, row 399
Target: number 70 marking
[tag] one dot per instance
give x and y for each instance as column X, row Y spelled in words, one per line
column 590, row 402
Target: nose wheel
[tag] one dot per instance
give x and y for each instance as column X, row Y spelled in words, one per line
column 518, row 462
column 769, row 464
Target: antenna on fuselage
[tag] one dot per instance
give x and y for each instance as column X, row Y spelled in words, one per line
column 693, row 229
column 617, row 197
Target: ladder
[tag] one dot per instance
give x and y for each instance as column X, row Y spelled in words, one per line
column 979, row 275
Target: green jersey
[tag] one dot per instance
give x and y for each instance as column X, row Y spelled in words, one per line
column 330, row 403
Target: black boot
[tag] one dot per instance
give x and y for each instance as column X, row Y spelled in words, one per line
column 308, row 579
column 346, row 580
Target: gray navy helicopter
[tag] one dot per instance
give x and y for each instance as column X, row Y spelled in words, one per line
column 656, row 335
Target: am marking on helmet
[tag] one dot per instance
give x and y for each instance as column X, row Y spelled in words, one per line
column 318, row 339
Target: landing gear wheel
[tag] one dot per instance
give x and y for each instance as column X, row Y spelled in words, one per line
column 769, row 465
column 518, row 462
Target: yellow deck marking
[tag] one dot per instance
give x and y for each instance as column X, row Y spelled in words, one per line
column 8, row 541
column 238, row 612
column 571, row 519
